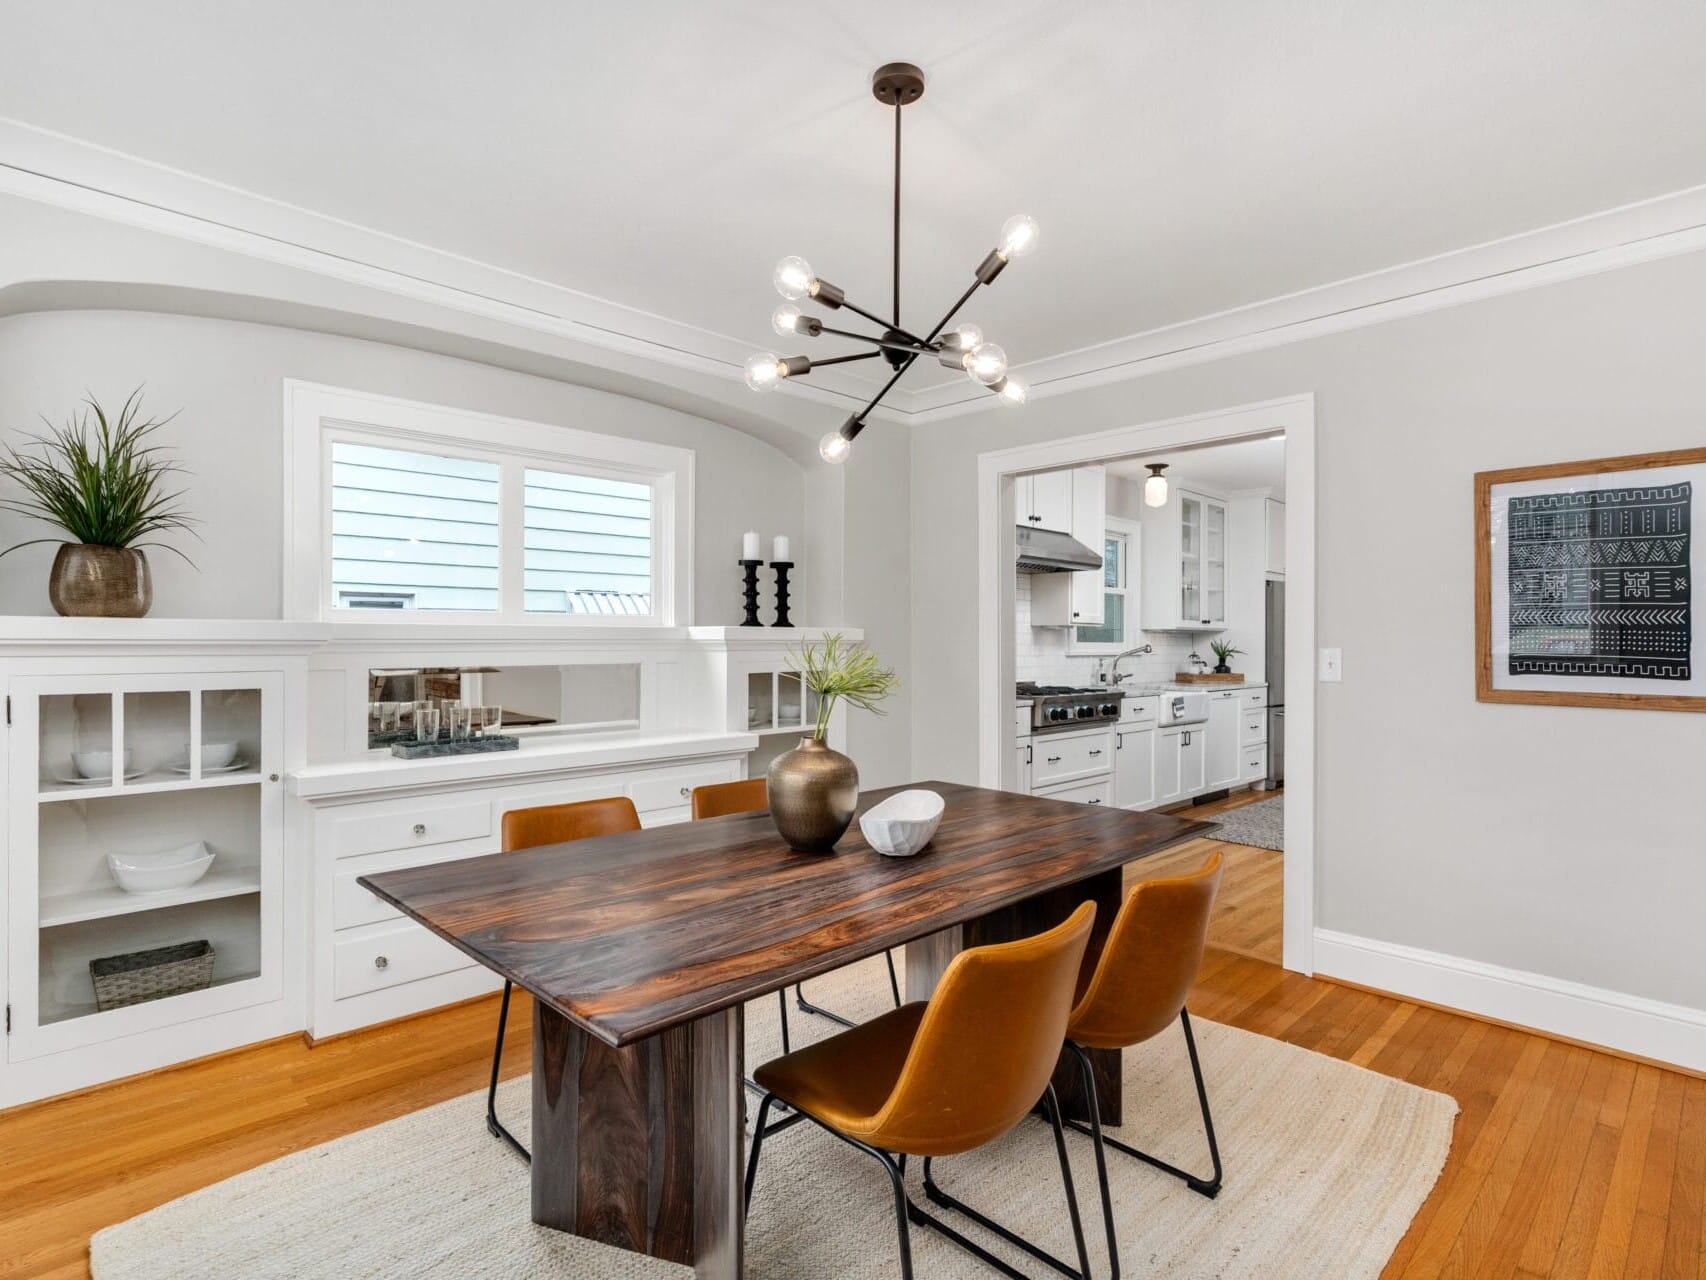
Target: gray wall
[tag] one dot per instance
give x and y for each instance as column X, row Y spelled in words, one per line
column 1566, row 841
column 226, row 378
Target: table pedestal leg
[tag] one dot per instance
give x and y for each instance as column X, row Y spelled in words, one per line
column 1033, row 916
column 927, row 959
column 642, row 1147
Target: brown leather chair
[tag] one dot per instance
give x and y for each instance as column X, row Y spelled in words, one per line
column 941, row 1078
column 752, row 795
column 526, row 829
column 1138, row 987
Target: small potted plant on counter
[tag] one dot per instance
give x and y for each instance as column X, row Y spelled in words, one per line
column 814, row 788
column 1223, row 652
column 107, row 488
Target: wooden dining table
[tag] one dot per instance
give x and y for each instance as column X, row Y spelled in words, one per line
column 642, row 949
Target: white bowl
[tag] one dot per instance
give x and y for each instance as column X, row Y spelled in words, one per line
column 153, row 872
column 903, row 824
column 97, row 764
column 216, row 755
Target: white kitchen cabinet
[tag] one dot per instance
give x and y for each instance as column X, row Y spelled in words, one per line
column 1058, row 758
column 1184, row 585
column 1094, row 791
column 1221, row 740
column 1072, row 599
column 1045, row 501
column 1134, row 767
column 1179, row 763
column 1022, row 768
column 1274, row 516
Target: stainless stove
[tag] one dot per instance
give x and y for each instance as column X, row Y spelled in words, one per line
column 1056, row 707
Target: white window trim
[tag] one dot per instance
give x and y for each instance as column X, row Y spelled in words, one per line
column 1132, row 532
column 316, row 415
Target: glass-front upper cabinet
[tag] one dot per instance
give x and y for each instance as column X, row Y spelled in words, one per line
column 1184, row 551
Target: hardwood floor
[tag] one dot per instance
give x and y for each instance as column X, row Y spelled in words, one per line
column 1566, row 1163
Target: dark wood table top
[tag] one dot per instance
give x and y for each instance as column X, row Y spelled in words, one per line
column 628, row 935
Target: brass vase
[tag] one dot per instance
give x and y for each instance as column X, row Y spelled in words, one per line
column 100, row 582
column 813, row 792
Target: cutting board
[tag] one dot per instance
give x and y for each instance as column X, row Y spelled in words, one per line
column 1207, row 677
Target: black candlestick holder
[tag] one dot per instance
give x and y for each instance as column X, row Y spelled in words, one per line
column 782, row 567
column 751, row 568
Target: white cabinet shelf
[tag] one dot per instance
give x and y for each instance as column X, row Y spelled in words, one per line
column 147, row 784
column 110, row 900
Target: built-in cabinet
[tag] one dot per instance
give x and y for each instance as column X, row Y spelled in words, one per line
column 1184, row 584
column 1074, row 502
column 1221, row 743
column 1179, row 763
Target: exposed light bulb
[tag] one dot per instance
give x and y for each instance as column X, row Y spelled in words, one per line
column 1012, row 390
column 968, row 336
column 834, row 447
column 763, row 371
column 786, row 319
column 793, row 277
column 987, row 364
column 1018, row 236
column 1155, row 487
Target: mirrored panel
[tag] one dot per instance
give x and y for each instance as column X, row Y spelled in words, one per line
column 529, row 700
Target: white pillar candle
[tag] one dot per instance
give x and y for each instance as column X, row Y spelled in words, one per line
column 780, row 550
column 749, row 545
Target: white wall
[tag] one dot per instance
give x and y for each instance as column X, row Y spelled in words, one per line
column 226, row 378
column 1562, row 841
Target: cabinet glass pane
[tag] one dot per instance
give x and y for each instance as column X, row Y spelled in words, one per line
column 157, row 733
column 760, row 700
column 790, row 706
column 1112, row 630
column 230, row 731
column 75, row 740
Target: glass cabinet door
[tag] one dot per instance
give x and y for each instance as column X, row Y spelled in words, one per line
column 1190, row 558
column 1214, row 562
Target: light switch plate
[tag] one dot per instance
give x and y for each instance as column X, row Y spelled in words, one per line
column 1332, row 668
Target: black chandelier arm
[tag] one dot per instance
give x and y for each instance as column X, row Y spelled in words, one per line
column 886, row 343
column 952, row 312
column 897, row 108
column 862, row 355
column 857, row 310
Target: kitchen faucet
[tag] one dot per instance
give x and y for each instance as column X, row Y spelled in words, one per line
column 1113, row 675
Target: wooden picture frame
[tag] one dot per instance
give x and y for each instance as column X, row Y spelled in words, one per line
column 1585, row 585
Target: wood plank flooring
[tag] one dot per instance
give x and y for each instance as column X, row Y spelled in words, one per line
column 1566, row 1163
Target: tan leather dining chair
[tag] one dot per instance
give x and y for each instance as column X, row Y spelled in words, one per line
column 940, row 1078
column 1138, row 988
column 527, row 829
column 752, row 795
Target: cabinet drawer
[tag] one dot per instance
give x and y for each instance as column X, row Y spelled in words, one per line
column 390, row 956
column 1140, row 710
column 1254, row 698
column 1021, row 722
column 673, row 788
column 353, row 906
column 1099, row 792
column 1055, row 760
column 1255, row 765
column 411, row 825
column 1253, row 728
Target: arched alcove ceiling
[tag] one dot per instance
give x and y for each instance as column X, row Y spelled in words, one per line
column 795, row 438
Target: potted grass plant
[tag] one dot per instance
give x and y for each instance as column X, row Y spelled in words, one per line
column 109, row 488
column 1223, row 652
column 814, row 789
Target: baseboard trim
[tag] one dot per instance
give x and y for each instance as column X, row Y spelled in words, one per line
column 1668, row 1035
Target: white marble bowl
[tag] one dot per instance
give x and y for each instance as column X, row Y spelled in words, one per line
column 153, row 872
column 903, row 824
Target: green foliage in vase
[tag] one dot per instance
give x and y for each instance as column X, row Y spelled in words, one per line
column 107, row 484
column 835, row 669
column 1223, row 651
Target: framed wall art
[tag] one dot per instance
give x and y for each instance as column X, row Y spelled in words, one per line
column 1584, row 583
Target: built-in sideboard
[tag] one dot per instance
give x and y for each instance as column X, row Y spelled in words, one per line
column 138, row 738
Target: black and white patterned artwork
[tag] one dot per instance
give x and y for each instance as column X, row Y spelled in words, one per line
column 1598, row 583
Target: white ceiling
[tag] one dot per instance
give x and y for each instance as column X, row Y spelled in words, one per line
column 1220, row 469
column 1183, row 158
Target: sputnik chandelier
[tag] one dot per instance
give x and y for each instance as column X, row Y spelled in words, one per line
column 899, row 84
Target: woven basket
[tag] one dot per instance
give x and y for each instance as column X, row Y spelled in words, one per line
column 151, row 975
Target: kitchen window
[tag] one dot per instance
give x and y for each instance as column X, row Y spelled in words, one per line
column 1119, row 597
column 410, row 514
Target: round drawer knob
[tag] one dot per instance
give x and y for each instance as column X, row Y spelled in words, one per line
column 420, row 828
column 686, row 790
column 381, row 962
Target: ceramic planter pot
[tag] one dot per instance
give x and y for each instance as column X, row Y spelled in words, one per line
column 100, row 582
column 813, row 792
column 1222, row 669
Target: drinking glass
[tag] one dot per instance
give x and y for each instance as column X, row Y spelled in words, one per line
column 390, row 716
column 457, row 715
column 491, row 720
column 416, row 708
column 426, row 723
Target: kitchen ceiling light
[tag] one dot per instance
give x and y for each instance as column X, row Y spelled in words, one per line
column 897, row 85
column 1155, row 485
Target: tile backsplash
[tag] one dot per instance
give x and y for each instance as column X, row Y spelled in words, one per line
column 1039, row 653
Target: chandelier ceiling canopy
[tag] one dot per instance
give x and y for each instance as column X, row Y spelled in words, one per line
column 898, row 85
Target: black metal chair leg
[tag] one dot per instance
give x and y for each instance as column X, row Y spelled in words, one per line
column 894, row 979
column 806, row 1006
column 1209, row 1187
column 1088, row 1076
column 782, row 1004
column 757, row 1146
column 492, row 1124
column 938, row 1196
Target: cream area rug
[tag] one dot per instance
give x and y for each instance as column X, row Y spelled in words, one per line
column 1326, row 1164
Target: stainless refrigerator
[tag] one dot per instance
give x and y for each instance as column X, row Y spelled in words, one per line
column 1276, row 683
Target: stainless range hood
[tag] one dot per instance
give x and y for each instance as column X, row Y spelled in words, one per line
column 1048, row 551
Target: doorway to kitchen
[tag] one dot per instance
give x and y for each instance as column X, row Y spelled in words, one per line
column 1116, row 571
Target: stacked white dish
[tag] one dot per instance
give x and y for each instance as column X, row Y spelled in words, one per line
column 155, row 872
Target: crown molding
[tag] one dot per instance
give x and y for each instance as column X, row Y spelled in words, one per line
column 54, row 169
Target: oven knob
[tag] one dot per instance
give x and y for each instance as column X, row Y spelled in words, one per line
column 1086, row 713
column 1110, row 709
column 1057, row 713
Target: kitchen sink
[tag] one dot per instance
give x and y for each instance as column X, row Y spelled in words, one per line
column 1183, row 708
